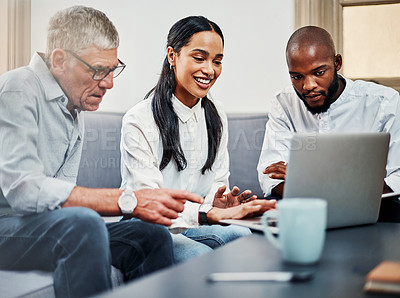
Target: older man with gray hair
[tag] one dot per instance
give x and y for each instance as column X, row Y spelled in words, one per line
column 40, row 150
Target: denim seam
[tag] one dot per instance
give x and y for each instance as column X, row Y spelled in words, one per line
column 208, row 237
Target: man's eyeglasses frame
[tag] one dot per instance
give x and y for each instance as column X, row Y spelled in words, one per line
column 100, row 74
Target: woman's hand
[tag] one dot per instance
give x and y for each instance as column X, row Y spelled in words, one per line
column 233, row 198
column 248, row 209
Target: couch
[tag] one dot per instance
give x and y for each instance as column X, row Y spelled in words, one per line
column 100, row 167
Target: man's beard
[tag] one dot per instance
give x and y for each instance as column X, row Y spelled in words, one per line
column 332, row 89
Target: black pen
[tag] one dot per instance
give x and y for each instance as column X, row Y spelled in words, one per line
column 277, row 276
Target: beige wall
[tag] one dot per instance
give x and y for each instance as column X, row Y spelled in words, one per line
column 256, row 33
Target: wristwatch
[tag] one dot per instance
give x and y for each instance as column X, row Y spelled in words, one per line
column 127, row 202
column 203, row 210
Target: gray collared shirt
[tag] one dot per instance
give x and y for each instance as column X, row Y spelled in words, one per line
column 40, row 141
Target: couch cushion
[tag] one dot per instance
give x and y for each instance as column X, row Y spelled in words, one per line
column 27, row 284
column 101, row 157
column 100, row 163
column 32, row 284
column 246, row 135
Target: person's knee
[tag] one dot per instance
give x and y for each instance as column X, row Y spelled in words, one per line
column 215, row 236
column 162, row 243
column 182, row 254
column 186, row 248
column 237, row 232
column 81, row 226
column 139, row 248
column 137, row 233
column 83, row 220
column 160, row 234
column 230, row 233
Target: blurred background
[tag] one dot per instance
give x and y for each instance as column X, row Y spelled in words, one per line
column 366, row 33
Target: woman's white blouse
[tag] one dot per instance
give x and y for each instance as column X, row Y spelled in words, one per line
column 142, row 149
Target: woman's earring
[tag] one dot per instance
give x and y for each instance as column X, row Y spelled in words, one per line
column 171, row 67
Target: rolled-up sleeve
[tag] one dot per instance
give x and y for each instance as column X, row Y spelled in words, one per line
column 276, row 145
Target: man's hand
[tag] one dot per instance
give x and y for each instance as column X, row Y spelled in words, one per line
column 162, row 205
column 249, row 209
column 232, row 198
column 154, row 205
column 276, row 170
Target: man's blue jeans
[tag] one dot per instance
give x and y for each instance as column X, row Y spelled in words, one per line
column 79, row 248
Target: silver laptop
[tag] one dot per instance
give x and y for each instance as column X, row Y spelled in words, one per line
column 347, row 170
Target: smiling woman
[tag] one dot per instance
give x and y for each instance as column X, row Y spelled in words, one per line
column 194, row 53
column 197, row 69
column 177, row 138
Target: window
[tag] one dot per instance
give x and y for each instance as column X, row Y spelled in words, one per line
column 371, row 42
column 15, row 36
column 366, row 33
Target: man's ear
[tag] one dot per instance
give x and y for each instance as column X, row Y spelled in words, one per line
column 58, row 59
column 338, row 62
column 171, row 55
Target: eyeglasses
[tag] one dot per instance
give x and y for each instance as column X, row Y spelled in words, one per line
column 102, row 72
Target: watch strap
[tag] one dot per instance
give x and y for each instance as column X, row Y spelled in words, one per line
column 203, row 210
column 127, row 211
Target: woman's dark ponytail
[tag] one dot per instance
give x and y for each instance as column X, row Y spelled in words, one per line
column 214, row 132
column 166, row 118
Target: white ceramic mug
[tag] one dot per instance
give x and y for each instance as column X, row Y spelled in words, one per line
column 301, row 224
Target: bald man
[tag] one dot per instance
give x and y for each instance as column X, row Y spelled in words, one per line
column 322, row 101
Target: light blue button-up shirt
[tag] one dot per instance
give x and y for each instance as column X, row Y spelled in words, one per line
column 40, row 141
column 362, row 107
